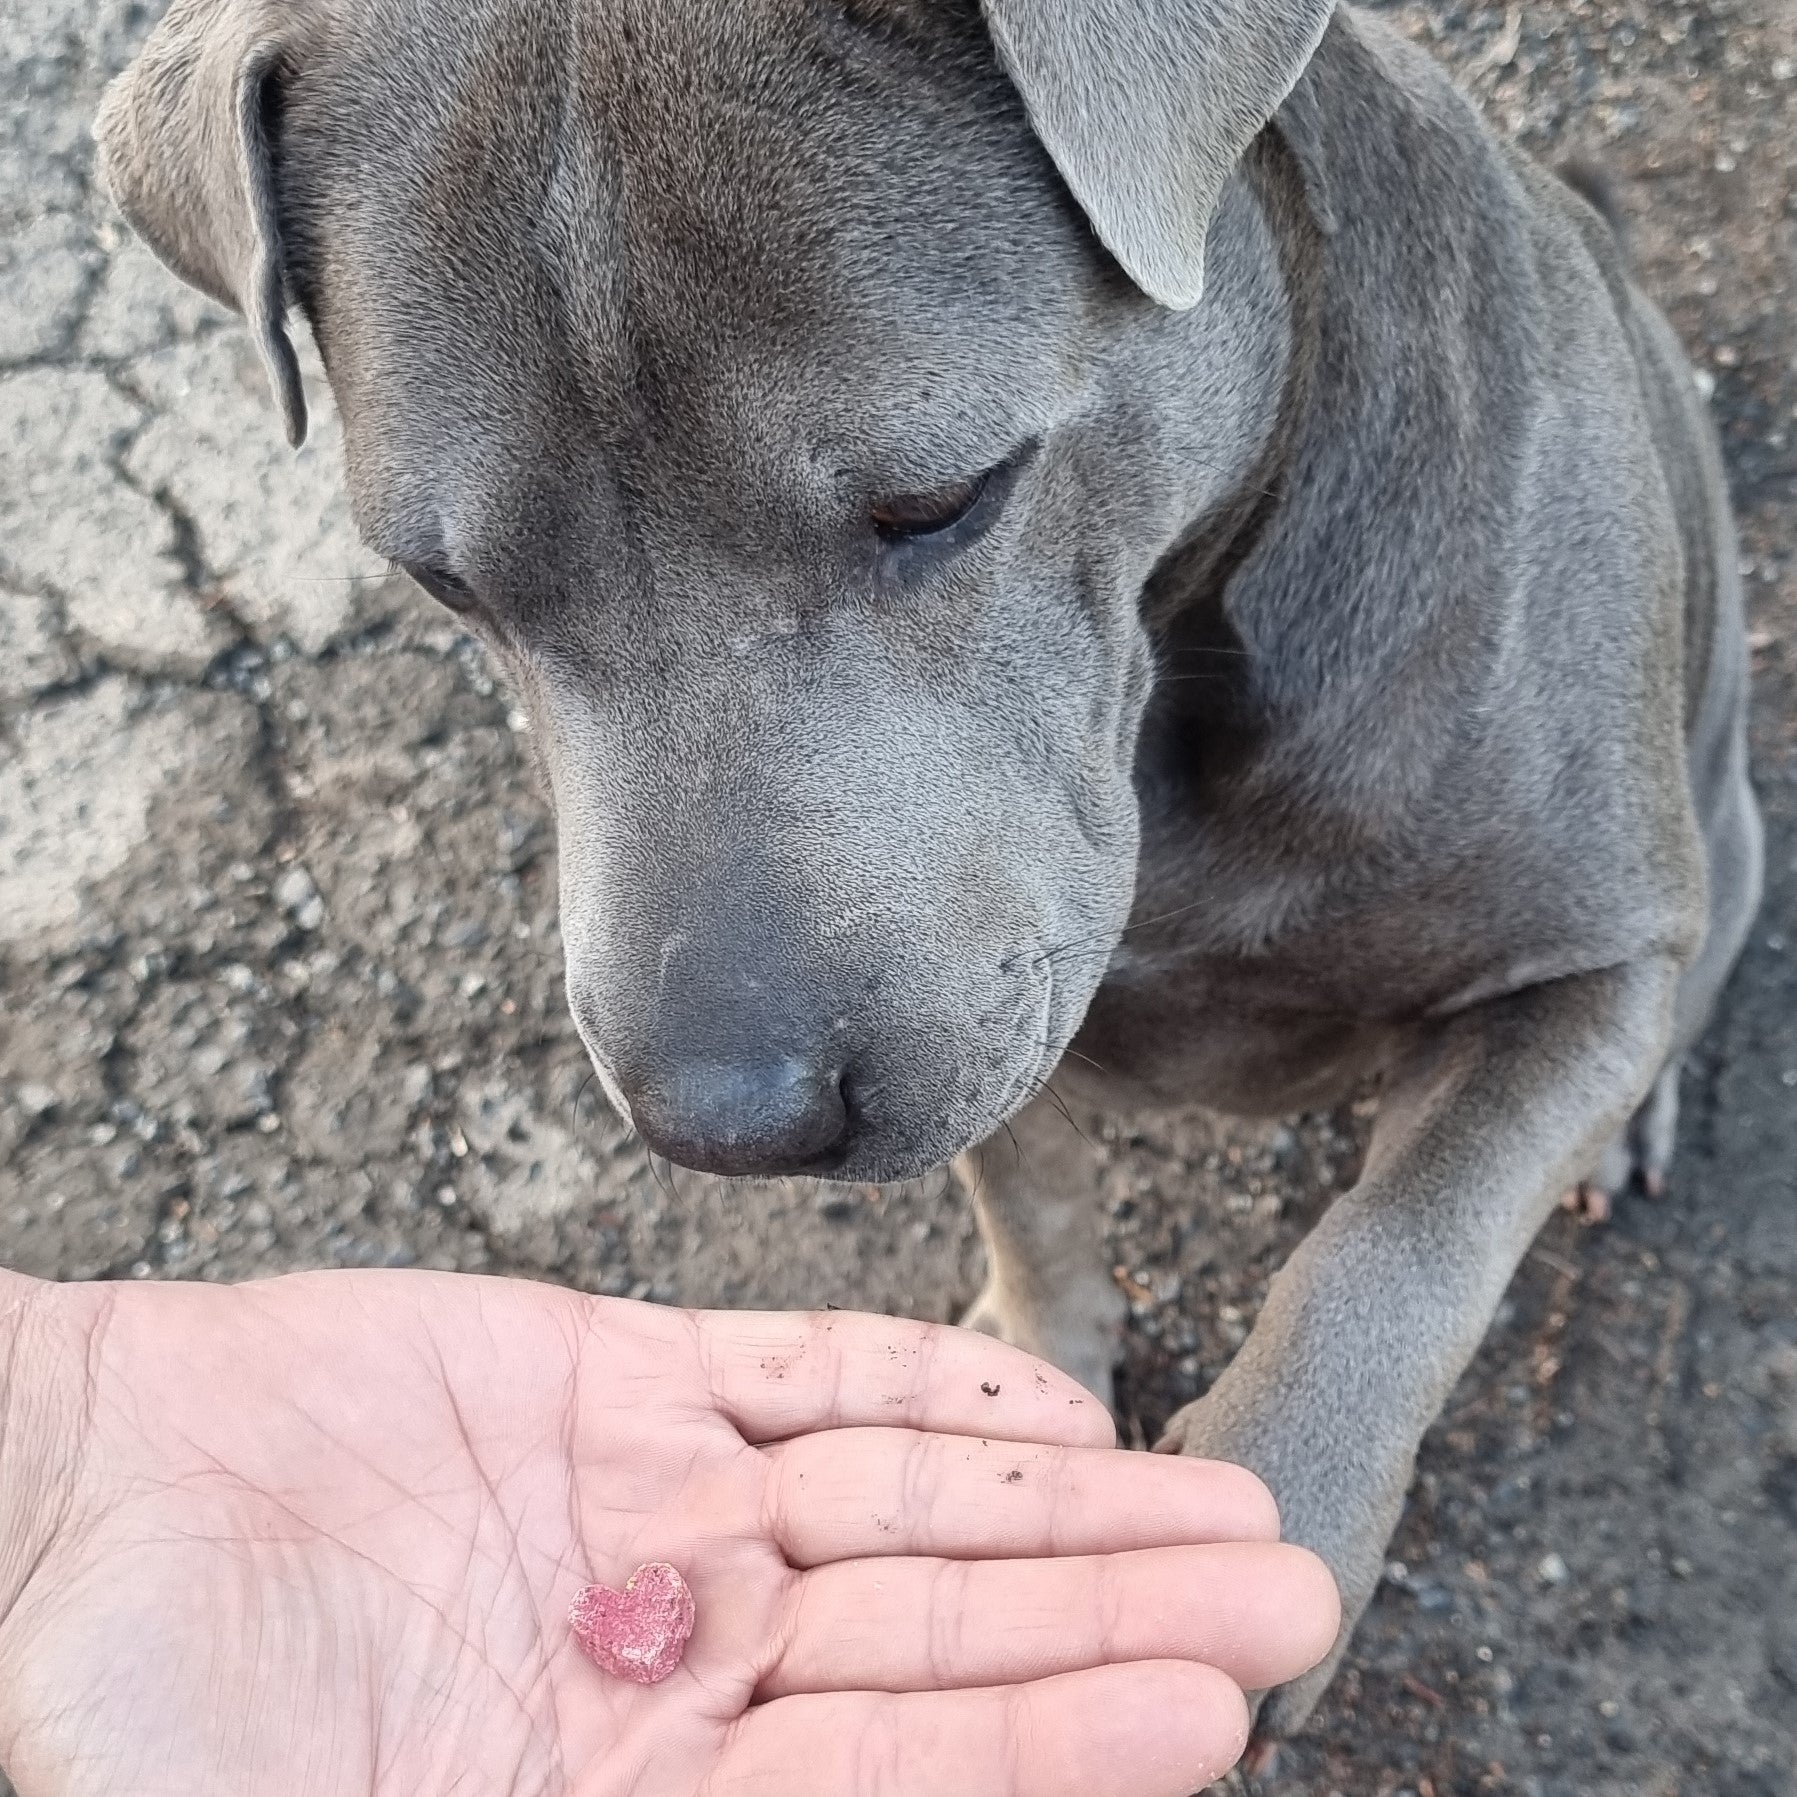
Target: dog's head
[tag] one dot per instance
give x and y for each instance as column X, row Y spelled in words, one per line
column 780, row 387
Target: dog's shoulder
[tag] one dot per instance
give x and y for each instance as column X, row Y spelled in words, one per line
column 1471, row 588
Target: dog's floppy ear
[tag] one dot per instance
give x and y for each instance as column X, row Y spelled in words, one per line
column 1146, row 106
column 183, row 137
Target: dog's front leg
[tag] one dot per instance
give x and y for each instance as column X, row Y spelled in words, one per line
column 1364, row 1332
column 1048, row 1289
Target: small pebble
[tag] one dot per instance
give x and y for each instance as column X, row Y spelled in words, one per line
column 298, row 896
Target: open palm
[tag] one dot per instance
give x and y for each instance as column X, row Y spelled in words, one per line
column 320, row 1536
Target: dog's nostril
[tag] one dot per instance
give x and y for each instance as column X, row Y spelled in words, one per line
column 780, row 1115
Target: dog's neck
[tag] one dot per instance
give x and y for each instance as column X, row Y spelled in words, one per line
column 1204, row 719
column 1363, row 575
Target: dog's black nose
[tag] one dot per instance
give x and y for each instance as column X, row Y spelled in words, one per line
column 770, row 1117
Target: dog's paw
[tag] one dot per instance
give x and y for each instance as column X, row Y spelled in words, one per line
column 1641, row 1155
column 1346, row 1520
column 1084, row 1341
column 1590, row 1202
column 1283, row 1713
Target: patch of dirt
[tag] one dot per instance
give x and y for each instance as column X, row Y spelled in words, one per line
column 280, row 979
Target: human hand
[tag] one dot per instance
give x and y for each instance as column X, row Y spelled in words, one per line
column 319, row 1537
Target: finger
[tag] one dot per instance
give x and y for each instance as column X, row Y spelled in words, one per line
column 781, row 1376
column 1158, row 1729
column 1263, row 1613
column 861, row 1492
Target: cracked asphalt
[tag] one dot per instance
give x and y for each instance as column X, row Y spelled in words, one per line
column 280, row 979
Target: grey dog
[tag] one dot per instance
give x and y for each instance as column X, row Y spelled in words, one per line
column 1126, row 530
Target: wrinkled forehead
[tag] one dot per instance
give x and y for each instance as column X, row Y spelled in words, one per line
column 703, row 218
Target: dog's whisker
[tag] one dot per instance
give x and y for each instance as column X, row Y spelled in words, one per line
column 1043, row 1087
column 580, row 1094
column 1148, row 923
column 1061, row 1105
column 1051, row 955
column 664, row 1180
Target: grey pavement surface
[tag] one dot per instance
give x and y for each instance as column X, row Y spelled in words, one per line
column 280, row 981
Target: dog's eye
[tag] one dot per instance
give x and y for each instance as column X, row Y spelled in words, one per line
column 446, row 588
column 908, row 516
column 952, row 516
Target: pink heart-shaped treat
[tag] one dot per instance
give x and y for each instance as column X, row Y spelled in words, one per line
column 639, row 1633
